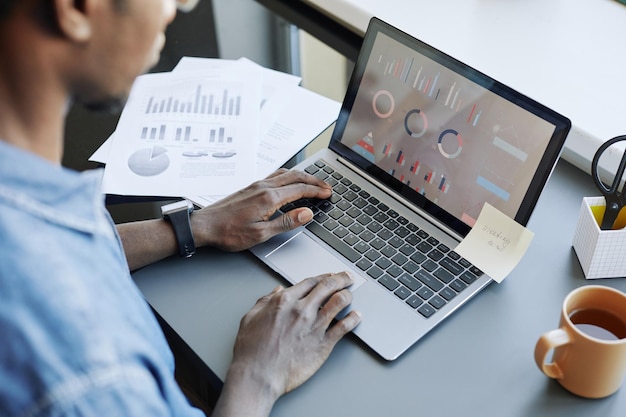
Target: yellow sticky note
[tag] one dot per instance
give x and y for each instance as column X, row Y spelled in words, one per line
column 496, row 243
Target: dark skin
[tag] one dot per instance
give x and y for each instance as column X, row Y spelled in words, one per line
column 93, row 55
column 234, row 223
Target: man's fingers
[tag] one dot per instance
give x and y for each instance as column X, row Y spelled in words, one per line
column 343, row 327
column 262, row 302
column 283, row 178
column 319, row 289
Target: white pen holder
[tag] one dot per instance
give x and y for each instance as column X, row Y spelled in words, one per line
column 601, row 253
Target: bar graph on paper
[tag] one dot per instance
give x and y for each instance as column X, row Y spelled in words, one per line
column 196, row 133
column 221, row 103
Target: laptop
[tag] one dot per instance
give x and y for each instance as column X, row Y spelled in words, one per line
column 421, row 143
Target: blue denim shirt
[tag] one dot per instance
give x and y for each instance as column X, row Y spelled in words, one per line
column 76, row 336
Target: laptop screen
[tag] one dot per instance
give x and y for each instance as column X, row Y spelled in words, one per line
column 445, row 136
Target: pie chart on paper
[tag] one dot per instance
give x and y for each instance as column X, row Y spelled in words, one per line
column 148, row 162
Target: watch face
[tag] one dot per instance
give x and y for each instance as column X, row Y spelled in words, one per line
column 177, row 206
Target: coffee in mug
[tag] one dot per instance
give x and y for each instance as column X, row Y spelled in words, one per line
column 589, row 346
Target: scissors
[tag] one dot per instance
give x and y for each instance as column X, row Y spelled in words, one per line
column 615, row 199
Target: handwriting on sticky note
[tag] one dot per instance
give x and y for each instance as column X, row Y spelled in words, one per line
column 496, row 243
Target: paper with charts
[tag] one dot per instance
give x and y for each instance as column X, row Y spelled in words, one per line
column 181, row 132
column 287, row 118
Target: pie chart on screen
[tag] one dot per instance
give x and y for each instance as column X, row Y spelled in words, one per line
column 148, row 162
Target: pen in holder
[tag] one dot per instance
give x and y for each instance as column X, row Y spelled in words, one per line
column 601, row 253
column 600, row 237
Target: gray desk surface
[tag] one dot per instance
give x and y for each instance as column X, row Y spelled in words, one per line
column 477, row 363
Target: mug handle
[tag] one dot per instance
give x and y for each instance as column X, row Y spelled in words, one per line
column 547, row 342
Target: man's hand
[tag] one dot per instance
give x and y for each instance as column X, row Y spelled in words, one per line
column 283, row 341
column 242, row 219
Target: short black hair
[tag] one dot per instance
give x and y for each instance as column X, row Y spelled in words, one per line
column 6, row 6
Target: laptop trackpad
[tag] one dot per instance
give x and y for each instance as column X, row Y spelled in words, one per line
column 301, row 257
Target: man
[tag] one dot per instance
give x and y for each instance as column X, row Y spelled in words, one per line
column 76, row 336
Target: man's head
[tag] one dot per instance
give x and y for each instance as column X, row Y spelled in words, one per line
column 96, row 47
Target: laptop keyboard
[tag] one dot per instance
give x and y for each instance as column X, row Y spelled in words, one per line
column 422, row 272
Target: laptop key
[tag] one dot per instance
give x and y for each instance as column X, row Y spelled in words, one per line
column 350, row 195
column 451, row 266
column 395, row 271
column 361, row 247
column 357, row 229
column 353, row 212
column 371, row 210
column 402, row 292
column 320, row 217
column 475, row 271
column 360, row 202
column 388, row 251
column 409, row 281
column 455, row 256
column 346, row 221
column 414, row 301
column 443, row 248
column 351, row 239
column 447, row 293
column 383, row 263
column 426, row 310
column 443, row 275
column 366, row 235
column 422, row 234
column 402, row 231
column 407, row 249
column 363, row 264
column 372, row 255
column 311, row 169
column 425, row 293
column 435, row 255
column 437, row 302
column 399, row 259
column 331, row 224
column 384, row 234
column 388, row 282
column 429, row 280
column 468, row 277
column 377, row 243
column 458, row 285
column 410, row 267
column 429, row 265
column 418, row 257
column 424, row 247
column 340, row 232
column 334, row 242
column 395, row 241
column 375, row 272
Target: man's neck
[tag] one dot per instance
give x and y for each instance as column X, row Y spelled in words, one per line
column 33, row 102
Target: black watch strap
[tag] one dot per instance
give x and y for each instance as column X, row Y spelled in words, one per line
column 178, row 215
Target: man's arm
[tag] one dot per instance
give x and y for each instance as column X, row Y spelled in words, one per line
column 234, row 223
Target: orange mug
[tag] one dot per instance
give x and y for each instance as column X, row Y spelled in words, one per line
column 589, row 346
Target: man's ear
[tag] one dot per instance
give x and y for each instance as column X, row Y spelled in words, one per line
column 72, row 19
